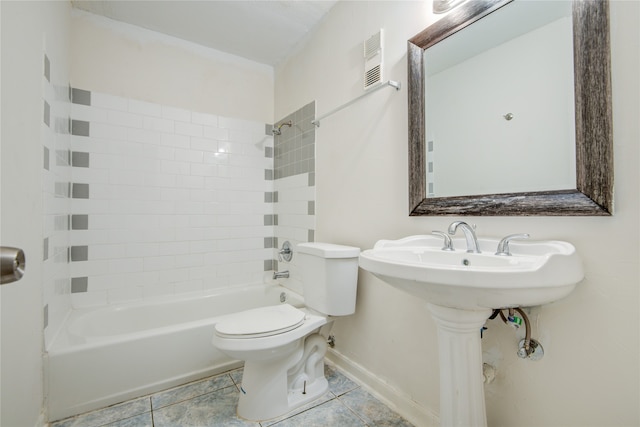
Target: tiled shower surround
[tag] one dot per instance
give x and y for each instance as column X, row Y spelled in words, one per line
column 56, row 188
column 166, row 200
column 294, row 185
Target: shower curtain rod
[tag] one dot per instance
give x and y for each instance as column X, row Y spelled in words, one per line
column 391, row 83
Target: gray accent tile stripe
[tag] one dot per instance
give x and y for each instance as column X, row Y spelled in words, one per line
column 79, row 159
column 45, row 316
column 311, row 207
column 61, row 189
column 80, row 128
column 80, row 191
column 312, row 179
column 79, row 253
column 47, row 68
column 61, row 222
column 79, row 96
column 79, row 222
column 46, row 158
column 271, row 197
column 79, row 284
column 271, row 219
column 63, row 157
column 294, row 152
column 268, row 129
column 311, row 236
column 268, row 174
column 270, row 242
column 45, row 249
column 47, row 114
column 268, row 152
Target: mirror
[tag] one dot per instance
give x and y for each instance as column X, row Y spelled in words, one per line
column 499, row 104
column 584, row 116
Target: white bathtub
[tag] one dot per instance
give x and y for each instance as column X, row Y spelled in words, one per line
column 111, row 354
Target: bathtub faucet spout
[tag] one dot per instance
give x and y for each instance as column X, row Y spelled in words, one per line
column 281, row 274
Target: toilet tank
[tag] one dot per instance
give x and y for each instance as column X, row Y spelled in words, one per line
column 329, row 277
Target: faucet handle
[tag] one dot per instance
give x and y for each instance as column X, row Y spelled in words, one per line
column 448, row 246
column 503, row 246
column 286, row 253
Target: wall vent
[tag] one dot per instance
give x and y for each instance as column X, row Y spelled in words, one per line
column 373, row 60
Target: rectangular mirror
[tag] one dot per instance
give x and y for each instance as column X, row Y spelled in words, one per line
column 510, row 112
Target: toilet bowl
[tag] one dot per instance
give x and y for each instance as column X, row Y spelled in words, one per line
column 280, row 345
column 278, row 376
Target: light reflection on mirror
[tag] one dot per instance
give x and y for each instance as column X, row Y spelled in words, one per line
column 443, row 6
column 500, row 104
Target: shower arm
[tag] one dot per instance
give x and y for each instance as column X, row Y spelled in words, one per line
column 278, row 129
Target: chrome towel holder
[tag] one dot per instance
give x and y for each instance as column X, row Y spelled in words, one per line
column 391, row 83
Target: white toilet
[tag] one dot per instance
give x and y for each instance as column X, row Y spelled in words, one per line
column 281, row 347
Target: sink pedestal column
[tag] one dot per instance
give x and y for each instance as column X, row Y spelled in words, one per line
column 460, row 352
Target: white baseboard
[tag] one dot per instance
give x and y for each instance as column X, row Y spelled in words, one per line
column 390, row 396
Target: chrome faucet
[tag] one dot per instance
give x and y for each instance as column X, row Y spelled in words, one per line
column 469, row 235
column 281, row 274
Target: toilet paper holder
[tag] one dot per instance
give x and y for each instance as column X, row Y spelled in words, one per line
column 12, row 264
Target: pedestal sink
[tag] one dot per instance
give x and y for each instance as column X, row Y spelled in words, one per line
column 461, row 291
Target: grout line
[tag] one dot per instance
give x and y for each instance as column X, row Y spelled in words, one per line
column 349, row 408
column 306, row 410
column 195, row 396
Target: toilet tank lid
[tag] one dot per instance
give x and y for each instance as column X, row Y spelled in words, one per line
column 328, row 250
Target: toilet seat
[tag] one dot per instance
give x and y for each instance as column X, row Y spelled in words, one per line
column 260, row 322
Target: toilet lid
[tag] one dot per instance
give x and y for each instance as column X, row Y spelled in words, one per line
column 260, row 322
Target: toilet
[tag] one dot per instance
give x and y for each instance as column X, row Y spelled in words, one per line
column 280, row 345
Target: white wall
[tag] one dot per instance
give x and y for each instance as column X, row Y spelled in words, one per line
column 589, row 375
column 127, row 61
column 29, row 29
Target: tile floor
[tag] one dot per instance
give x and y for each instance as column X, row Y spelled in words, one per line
column 212, row 402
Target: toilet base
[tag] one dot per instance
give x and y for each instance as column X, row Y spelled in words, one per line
column 271, row 388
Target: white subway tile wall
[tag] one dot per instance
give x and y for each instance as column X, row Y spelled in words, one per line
column 165, row 200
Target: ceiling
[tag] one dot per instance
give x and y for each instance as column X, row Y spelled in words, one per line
column 264, row 31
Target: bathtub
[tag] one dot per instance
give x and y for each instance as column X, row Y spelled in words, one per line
column 110, row 354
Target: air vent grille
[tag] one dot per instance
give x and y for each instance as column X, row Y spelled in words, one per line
column 372, row 76
column 373, row 60
column 373, row 44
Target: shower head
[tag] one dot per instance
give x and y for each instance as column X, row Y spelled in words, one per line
column 278, row 129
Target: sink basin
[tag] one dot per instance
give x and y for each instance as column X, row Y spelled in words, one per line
column 461, row 290
column 538, row 272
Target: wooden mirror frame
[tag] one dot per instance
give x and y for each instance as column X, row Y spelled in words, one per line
column 593, row 195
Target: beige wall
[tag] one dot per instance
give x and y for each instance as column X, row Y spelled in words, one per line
column 589, row 375
column 120, row 59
